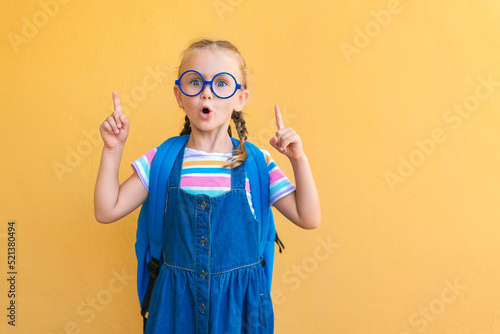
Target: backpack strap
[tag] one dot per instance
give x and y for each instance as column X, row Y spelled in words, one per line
column 258, row 175
column 154, row 270
column 150, row 223
column 162, row 164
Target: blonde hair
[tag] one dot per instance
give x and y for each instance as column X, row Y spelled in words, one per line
column 240, row 154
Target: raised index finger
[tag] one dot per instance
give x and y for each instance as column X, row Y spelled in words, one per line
column 279, row 120
column 116, row 102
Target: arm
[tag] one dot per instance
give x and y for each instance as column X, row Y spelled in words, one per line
column 301, row 206
column 113, row 201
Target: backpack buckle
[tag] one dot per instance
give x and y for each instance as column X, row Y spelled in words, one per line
column 278, row 241
column 154, row 267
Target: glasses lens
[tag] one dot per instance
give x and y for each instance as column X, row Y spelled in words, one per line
column 223, row 85
column 191, row 83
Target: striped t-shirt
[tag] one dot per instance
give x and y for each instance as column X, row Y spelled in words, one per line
column 203, row 173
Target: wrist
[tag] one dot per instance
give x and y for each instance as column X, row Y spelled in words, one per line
column 299, row 160
column 113, row 150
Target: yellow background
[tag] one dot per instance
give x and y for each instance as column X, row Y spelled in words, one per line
column 410, row 189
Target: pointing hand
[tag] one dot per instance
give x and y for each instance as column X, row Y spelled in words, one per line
column 287, row 141
column 115, row 129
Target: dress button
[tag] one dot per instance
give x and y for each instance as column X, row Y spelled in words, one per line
column 203, row 274
column 203, row 205
column 202, row 308
column 203, row 241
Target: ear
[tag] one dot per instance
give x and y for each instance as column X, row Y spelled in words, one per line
column 178, row 96
column 242, row 100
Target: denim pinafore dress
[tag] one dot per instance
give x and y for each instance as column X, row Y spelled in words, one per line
column 212, row 279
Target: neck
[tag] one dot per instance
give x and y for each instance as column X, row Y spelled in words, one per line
column 210, row 141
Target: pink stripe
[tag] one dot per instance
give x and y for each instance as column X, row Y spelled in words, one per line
column 275, row 176
column 150, row 155
column 202, row 181
column 247, row 186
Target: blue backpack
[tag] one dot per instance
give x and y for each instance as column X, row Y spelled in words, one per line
column 148, row 246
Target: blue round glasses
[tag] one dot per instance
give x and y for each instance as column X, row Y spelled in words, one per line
column 223, row 85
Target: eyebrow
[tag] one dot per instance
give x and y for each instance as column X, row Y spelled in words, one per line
column 206, row 76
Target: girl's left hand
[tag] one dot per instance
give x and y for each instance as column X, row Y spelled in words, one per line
column 287, row 141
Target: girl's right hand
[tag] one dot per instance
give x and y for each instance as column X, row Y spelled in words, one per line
column 114, row 130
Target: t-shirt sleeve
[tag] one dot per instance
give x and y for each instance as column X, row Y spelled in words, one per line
column 279, row 184
column 143, row 165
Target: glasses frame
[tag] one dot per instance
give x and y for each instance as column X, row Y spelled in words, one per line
column 205, row 82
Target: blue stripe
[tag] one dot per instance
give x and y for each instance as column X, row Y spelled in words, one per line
column 277, row 185
column 222, row 171
column 206, row 192
column 283, row 192
column 143, row 169
column 271, row 165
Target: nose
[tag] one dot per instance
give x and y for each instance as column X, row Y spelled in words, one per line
column 206, row 92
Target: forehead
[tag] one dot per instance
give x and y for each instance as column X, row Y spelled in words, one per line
column 210, row 62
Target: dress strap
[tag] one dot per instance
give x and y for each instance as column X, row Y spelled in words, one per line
column 175, row 174
column 238, row 176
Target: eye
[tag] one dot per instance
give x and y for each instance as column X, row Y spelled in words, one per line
column 221, row 83
column 196, row 82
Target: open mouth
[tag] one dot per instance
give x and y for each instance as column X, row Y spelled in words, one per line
column 206, row 113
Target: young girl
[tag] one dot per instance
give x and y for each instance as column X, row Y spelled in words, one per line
column 211, row 277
